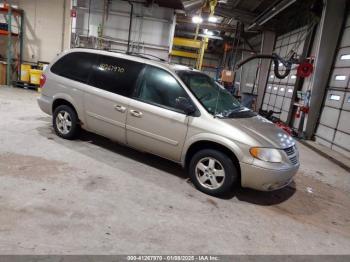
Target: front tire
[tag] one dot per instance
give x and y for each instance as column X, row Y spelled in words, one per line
column 212, row 172
column 65, row 122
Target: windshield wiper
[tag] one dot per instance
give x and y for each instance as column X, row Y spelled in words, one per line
column 241, row 112
column 238, row 108
column 227, row 113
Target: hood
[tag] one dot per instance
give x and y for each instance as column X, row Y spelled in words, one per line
column 263, row 131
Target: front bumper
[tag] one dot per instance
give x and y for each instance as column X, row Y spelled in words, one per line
column 266, row 179
column 45, row 104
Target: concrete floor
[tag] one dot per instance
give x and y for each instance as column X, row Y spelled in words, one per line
column 91, row 196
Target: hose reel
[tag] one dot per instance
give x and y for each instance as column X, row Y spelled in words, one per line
column 287, row 63
column 305, row 69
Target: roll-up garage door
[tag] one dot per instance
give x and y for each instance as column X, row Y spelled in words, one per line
column 334, row 124
column 279, row 92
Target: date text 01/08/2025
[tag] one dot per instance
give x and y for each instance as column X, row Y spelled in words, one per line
column 173, row 258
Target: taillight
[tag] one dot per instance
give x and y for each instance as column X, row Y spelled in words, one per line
column 42, row 80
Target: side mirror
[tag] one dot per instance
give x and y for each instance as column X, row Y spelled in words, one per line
column 185, row 105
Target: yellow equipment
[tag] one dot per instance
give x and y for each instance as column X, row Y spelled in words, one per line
column 35, row 75
column 25, row 74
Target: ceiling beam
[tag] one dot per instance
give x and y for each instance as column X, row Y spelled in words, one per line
column 236, row 3
column 257, row 4
column 209, row 26
column 244, row 16
column 271, row 13
column 248, row 44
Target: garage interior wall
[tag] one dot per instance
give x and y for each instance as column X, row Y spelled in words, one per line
column 279, row 92
column 334, row 126
column 46, row 28
column 248, row 74
column 152, row 28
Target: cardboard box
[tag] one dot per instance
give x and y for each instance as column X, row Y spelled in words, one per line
column 227, row 76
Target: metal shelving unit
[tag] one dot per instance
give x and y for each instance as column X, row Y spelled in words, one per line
column 13, row 18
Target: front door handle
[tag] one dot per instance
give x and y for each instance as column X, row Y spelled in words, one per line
column 120, row 108
column 136, row 113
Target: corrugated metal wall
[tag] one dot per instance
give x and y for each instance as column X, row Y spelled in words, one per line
column 334, row 124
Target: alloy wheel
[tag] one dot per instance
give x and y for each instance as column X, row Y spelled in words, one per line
column 210, row 173
column 63, row 122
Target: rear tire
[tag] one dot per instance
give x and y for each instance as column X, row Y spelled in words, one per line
column 212, row 172
column 65, row 122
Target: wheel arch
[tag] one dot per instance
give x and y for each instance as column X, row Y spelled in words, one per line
column 61, row 101
column 64, row 100
column 207, row 144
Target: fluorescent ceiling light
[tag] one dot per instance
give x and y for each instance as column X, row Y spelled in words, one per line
column 207, row 32
column 212, row 19
column 197, row 19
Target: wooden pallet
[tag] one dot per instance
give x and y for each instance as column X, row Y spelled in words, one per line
column 25, row 85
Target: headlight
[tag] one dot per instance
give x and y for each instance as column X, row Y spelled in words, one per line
column 266, row 154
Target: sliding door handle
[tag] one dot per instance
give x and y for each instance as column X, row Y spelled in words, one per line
column 136, row 113
column 120, row 108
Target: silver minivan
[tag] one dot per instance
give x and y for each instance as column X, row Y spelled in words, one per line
column 171, row 111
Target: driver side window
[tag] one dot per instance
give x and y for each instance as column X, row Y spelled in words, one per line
column 160, row 88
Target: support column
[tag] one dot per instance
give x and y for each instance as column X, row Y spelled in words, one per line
column 67, row 25
column 9, row 46
column 268, row 43
column 331, row 25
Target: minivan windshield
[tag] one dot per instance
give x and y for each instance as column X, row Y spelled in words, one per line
column 214, row 97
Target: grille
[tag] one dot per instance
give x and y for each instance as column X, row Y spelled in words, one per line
column 292, row 155
column 290, row 151
column 294, row 160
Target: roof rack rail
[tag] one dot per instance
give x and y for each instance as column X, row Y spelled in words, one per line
column 114, row 50
column 120, row 51
column 146, row 56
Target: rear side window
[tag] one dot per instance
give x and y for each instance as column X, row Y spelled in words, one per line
column 115, row 75
column 75, row 66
